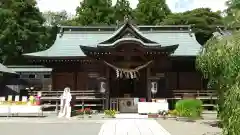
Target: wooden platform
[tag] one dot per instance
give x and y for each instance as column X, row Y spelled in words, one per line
column 86, row 98
column 91, row 98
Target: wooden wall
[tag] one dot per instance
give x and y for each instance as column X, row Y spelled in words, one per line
column 77, row 76
column 178, row 75
column 184, row 81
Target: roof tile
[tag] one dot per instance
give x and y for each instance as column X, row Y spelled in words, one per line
column 67, row 45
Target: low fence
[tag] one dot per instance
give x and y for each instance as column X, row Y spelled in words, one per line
column 199, row 94
column 83, row 98
column 91, row 98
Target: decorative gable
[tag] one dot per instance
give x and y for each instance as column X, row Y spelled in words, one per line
column 127, row 30
column 128, row 35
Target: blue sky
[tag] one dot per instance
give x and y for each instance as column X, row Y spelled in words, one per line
column 174, row 5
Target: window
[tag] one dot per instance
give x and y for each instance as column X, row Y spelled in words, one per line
column 46, row 76
column 31, row 76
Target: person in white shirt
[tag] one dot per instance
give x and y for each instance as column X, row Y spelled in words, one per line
column 65, row 107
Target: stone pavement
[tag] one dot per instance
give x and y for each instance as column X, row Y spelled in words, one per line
column 199, row 127
column 132, row 127
column 50, row 129
column 124, row 124
column 48, row 120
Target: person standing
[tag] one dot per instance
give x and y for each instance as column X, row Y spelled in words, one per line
column 65, row 107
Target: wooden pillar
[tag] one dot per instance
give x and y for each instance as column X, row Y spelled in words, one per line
column 75, row 80
column 177, row 80
column 107, row 103
column 148, row 92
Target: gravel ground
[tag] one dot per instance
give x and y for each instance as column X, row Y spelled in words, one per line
column 200, row 127
column 51, row 125
column 50, row 129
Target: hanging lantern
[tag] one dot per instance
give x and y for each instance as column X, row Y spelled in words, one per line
column 102, row 87
column 154, row 87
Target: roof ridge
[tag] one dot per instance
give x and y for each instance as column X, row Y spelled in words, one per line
column 115, row 28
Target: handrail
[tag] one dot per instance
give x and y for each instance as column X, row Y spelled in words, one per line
column 197, row 93
column 83, row 93
column 62, row 91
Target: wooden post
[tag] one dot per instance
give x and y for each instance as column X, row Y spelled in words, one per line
column 148, row 87
column 57, row 99
column 56, row 106
column 107, row 98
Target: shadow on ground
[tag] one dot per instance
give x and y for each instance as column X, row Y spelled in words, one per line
column 215, row 123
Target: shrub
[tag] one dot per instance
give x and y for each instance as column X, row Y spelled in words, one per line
column 110, row 113
column 173, row 112
column 88, row 111
column 191, row 108
column 80, row 112
column 84, row 111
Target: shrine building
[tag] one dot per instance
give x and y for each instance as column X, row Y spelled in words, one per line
column 127, row 58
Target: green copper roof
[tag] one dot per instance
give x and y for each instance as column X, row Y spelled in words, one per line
column 68, row 42
column 29, row 68
column 4, row 69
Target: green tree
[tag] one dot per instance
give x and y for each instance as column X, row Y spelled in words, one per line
column 219, row 62
column 53, row 22
column 151, row 12
column 202, row 20
column 94, row 12
column 233, row 13
column 232, row 5
column 121, row 9
column 55, row 18
column 21, row 29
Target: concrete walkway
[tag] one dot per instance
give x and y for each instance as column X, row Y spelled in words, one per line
column 131, row 116
column 132, row 127
column 188, row 128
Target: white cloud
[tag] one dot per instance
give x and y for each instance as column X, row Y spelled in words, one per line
column 174, row 5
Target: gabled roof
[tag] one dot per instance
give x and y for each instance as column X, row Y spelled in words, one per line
column 127, row 30
column 4, row 69
column 68, row 41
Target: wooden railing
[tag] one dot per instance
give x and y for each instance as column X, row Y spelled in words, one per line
column 86, row 98
column 201, row 94
column 81, row 94
column 92, row 98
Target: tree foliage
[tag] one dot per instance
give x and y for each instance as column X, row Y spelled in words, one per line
column 203, row 20
column 232, row 5
column 52, row 23
column 55, row 18
column 232, row 19
column 94, row 12
column 121, row 9
column 219, row 61
column 151, row 12
column 21, row 29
